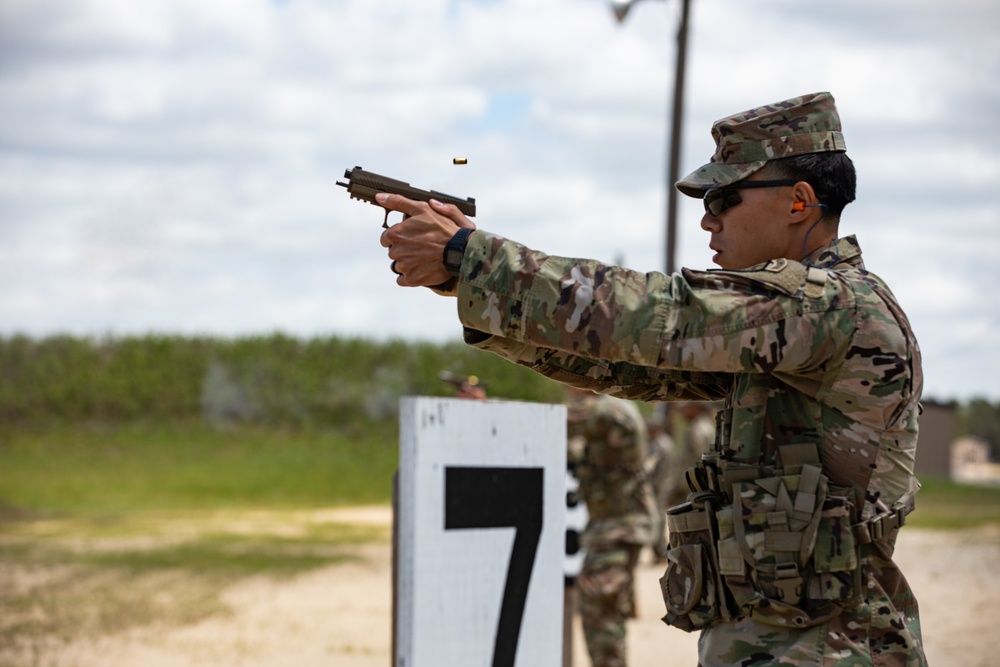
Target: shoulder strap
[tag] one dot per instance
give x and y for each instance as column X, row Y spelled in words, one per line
column 791, row 278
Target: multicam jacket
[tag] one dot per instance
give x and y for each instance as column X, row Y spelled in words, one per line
column 806, row 359
column 608, row 447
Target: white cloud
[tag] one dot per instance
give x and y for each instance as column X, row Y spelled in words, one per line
column 170, row 165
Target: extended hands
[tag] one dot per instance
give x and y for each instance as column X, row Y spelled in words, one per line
column 416, row 245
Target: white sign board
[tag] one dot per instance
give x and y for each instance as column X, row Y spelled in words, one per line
column 481, row 533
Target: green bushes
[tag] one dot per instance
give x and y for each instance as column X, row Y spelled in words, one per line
column 266, row 380
column 114, row 425
column 65, row 378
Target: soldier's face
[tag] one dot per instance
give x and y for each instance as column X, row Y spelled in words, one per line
column 752, row 231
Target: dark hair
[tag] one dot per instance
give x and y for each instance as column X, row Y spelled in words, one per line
column 831, row 175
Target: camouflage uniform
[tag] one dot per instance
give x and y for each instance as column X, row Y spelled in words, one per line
column 694, row 438
column 608, row 444
column 787, row 556
column 662, row 478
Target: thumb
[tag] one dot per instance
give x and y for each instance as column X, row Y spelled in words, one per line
column 452, row 213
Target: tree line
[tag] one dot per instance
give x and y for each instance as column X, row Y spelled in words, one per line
column 268, row 379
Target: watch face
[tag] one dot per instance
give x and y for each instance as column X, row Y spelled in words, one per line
column 454, row 251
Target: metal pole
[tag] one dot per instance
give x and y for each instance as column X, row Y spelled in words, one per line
column 674, row 151
column 395, row 566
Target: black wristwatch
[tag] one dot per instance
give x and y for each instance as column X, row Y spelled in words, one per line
column 455, row 250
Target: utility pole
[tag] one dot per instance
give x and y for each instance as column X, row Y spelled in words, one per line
column 620, row 9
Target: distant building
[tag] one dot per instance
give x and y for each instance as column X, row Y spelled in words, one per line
column 971, row 462
column 937, row 431
column 941, row 454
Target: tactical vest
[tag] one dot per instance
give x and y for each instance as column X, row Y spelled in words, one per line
column 780, row 545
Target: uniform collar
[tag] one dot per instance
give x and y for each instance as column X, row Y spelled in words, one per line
column 844, row 253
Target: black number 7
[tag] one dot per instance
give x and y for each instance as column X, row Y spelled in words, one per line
column 501, row 498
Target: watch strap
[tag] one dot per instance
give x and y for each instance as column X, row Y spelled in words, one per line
column 454, row 250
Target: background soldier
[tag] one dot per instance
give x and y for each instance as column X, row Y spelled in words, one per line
column 692, row 424
column 466, row 386
column 607, row 443
column 662, row 478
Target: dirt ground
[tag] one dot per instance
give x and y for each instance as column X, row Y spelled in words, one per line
column 341, row 615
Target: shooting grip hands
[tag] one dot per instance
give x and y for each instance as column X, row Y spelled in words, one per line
column 416, row 244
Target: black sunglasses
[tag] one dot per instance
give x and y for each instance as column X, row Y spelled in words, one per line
column 718, row 200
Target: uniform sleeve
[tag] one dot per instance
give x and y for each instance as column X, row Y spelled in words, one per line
column 621, row 379
column 562, row 314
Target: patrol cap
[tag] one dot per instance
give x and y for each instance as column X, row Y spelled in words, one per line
column 746, row 141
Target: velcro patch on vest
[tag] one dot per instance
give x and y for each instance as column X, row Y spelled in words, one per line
column 787, row 276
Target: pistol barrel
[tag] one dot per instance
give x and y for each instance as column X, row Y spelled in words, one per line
column 364, row 185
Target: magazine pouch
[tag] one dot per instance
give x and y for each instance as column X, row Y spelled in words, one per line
column 690, row 583
column 786, row 547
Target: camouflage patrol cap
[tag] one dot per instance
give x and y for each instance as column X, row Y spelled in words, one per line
column 746, row 141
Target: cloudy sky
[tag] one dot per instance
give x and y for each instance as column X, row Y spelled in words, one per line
column 170, row 165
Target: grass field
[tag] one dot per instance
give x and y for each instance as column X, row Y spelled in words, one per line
column 104, row 528
column 102, row 469
column 102, row 472
column 943, row 504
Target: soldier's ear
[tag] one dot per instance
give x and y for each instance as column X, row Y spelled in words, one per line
column 802, row 197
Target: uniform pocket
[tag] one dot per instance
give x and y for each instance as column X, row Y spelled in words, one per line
column 689, row 588
column 835, row 556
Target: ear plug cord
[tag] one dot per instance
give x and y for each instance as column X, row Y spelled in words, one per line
column 801, row 206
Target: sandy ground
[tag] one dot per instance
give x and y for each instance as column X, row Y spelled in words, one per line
column 341, row 615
